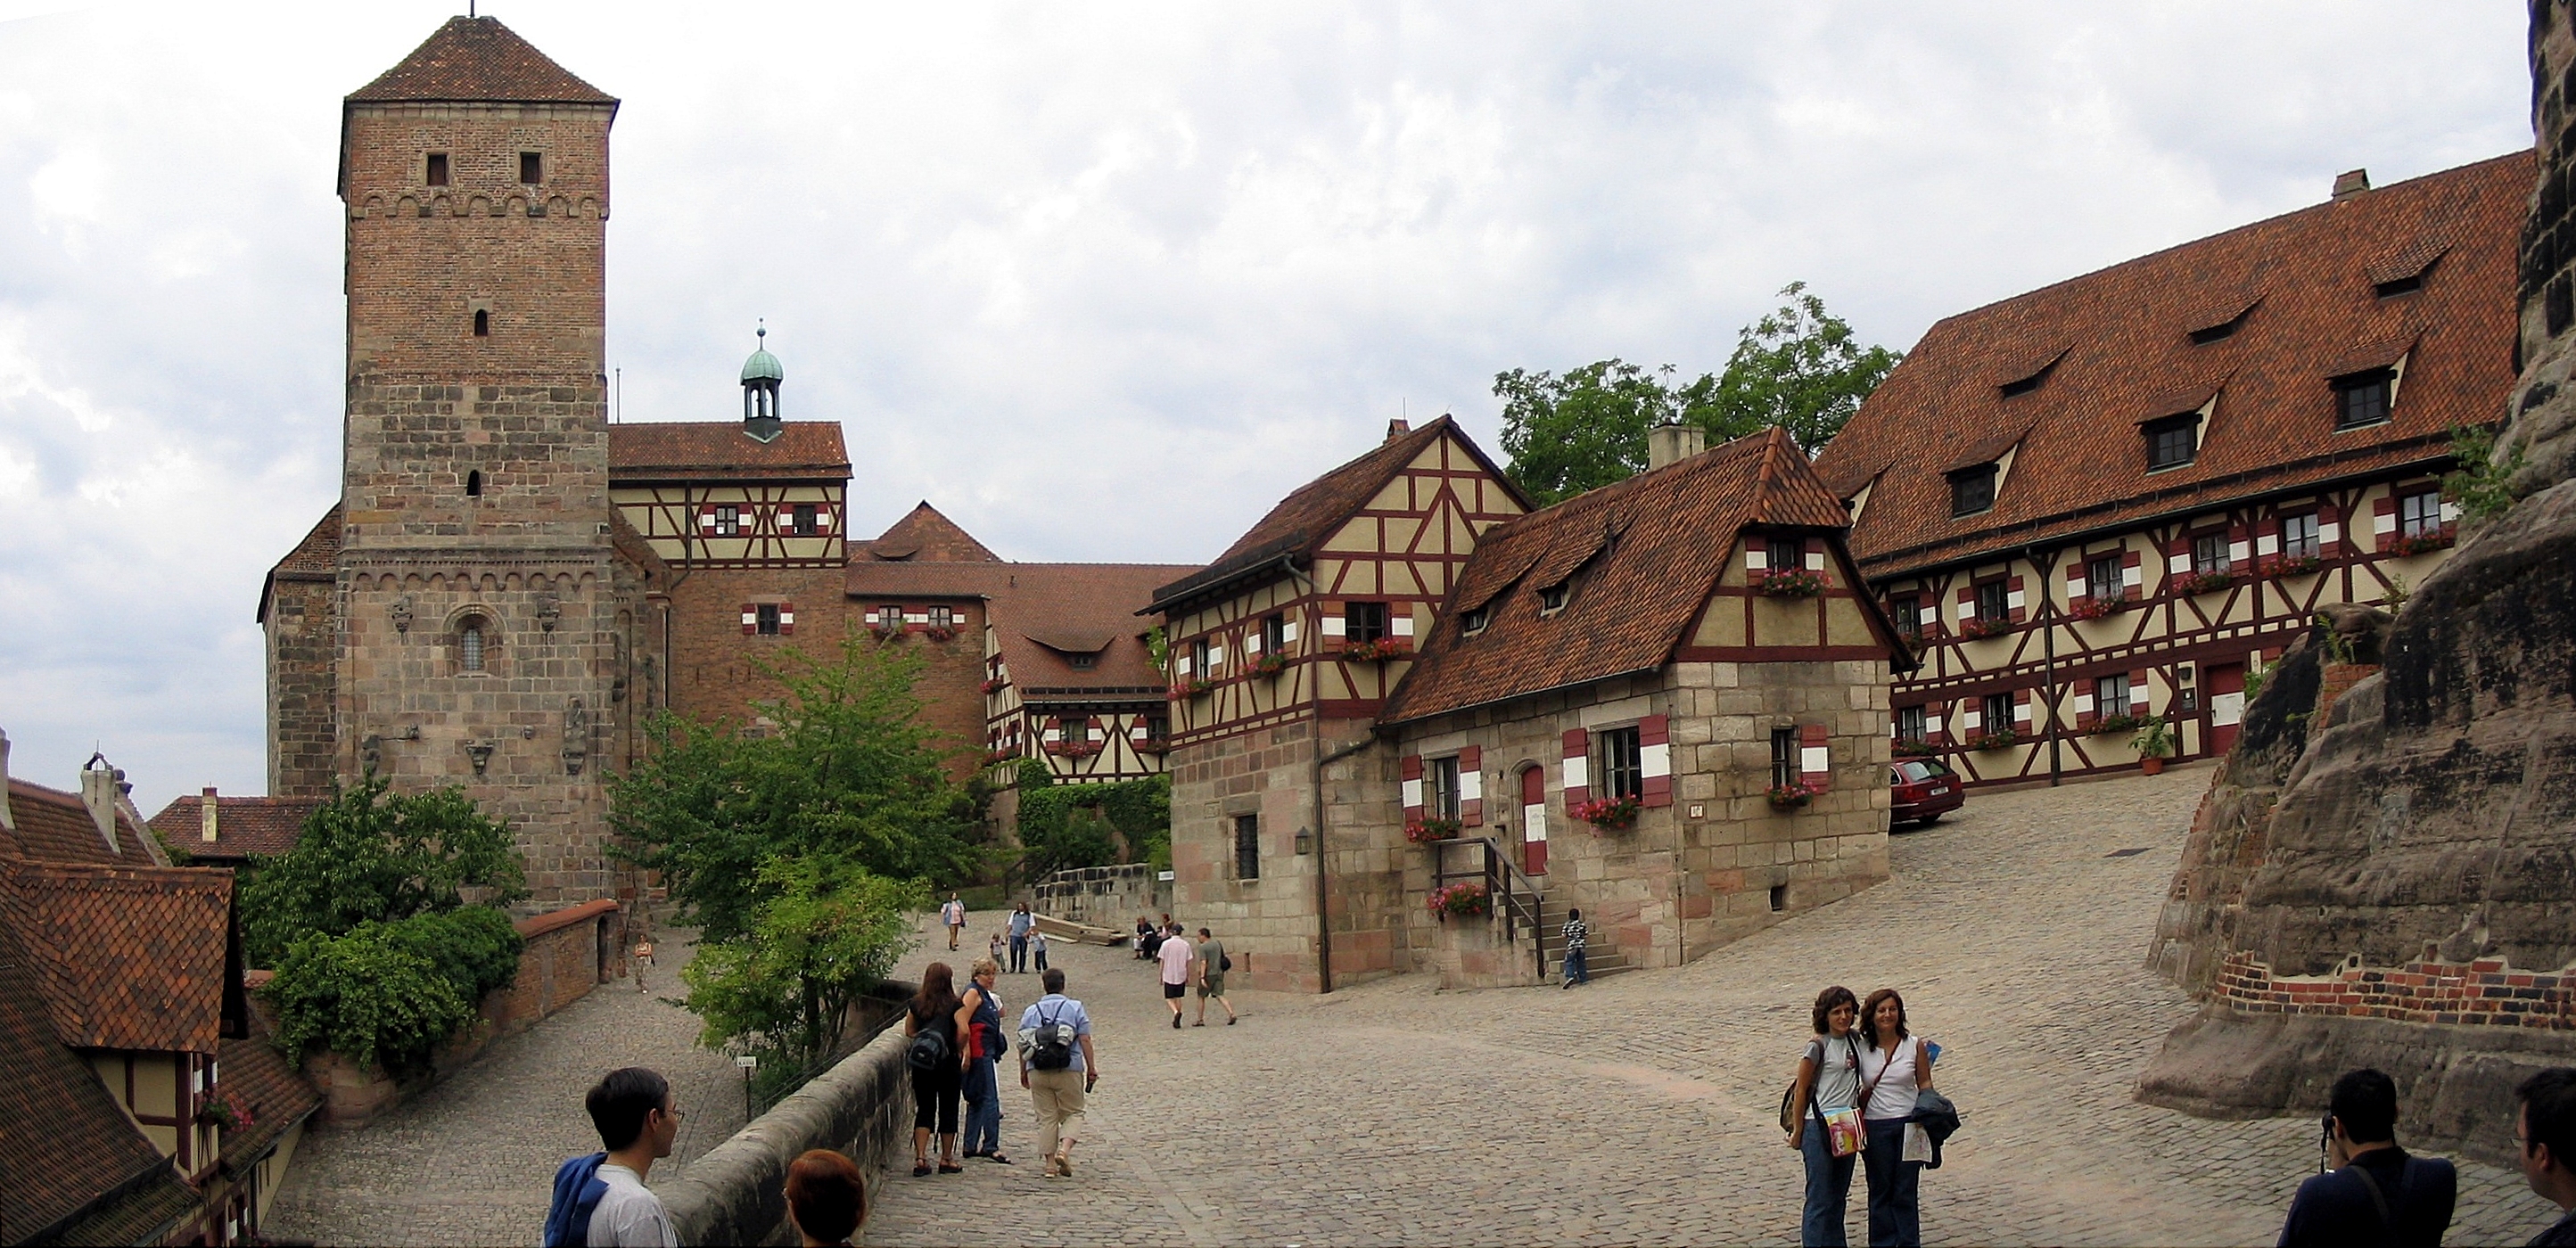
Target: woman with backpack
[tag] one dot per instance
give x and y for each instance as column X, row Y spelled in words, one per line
column 1826, row 1104
column 938, row 1062
column 1894, row 1065
column 981, row 1014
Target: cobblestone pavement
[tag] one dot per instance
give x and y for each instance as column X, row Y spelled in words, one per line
column 472, row 1160
column 1640, row 1109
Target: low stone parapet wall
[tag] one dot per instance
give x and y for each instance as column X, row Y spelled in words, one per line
column 735, row 1193
column 1103, row 896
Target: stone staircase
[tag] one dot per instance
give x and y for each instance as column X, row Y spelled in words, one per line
column 1601, row 957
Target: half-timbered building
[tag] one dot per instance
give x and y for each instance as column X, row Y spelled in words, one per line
column 2117, row 497
column 1282, row 652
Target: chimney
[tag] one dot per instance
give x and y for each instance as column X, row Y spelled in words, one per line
column 206, row 814
column 98, row 792
column 1666, row 444
column 2350, row 184
column 7, row 820
column 1397, row 428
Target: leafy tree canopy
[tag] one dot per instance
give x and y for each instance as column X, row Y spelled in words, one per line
column 823, row 932
column 850, row 778
column 370, row 855
column 1091, row 825
column 1799, row 367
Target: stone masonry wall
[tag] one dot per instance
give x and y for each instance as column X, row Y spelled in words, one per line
column 1104, row 896
column 1268, row 923
column 303, row 653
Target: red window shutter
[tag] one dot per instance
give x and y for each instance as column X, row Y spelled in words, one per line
column 2021, row 612
column 750, row 619
column 1578, row 765
column 1654, row 745
column 2180, row 545
column 1815, row 552
column 1811, row 738
column 2327, row 513
column 2133, row 561
column 2137, row 693
column 1471, row 762
column 1412, row 773
column 2237, row 536
column 787, row 619
column 2021, row 709
column 707, row 519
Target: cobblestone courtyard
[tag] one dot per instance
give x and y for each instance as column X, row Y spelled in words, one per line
column 1634, row 1111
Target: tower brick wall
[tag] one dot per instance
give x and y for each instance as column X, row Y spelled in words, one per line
column 303, row 653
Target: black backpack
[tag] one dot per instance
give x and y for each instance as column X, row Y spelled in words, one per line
column 928, row 1050
column 1050, row 1044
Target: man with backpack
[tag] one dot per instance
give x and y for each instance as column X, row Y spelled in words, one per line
column 1213, row 964
column 1058, row 1068
column 600, row 1200
column 2377, row 1194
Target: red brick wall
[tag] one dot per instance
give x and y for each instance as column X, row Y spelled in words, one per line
column 715, row 674
column 2485, row 992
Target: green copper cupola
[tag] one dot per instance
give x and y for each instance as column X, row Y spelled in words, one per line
column 761, row 375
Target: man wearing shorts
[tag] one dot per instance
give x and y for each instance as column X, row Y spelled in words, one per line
column 1174, row 954
column 1211, row 952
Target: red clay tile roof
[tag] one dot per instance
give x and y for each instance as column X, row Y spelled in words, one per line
column 64, row 1143
column 1042, row 613
column 243, row 826
column 925, row 535
column 133, row 958
column 808, row 450
column 478, row 58
column 1310, row 514
column 1648, row 550
column 2302, row 281
column 54, row 826
column 279, row 1096
column 316, row 558
column 637, row 550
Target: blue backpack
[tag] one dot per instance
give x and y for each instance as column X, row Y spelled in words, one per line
column 578, row 1188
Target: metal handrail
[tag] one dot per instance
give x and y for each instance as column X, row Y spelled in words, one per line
column 1514, row 896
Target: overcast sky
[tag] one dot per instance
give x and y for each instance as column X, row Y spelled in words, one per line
column 1100, row 281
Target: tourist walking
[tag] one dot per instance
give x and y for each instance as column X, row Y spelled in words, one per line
column 1826, row 1103
column 2544, row 1137
column 827, row 1199
column 1894, row 1065
column 601, row 1200
column 1174, row 954
column 938, row 1059
column 952, row 913
column 981, row 1012
column 1213, row 965
column 643, row 961
column 995, row 949
column 1037, row 947
column 1058, row 1068
column 1574, row 933
column 1021, row 923
column 2376, row 1194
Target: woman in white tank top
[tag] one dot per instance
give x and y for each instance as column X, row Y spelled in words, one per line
column 1894, row 1065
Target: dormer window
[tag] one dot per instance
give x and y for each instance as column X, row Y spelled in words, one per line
column 2395, row 286
column 2208, row 334
column 1552, row 599
column 2364, row 398
column 1082, row 662
column 1972, row 490
column 2021, row 386
column 1474, row 622
column 2172, row 442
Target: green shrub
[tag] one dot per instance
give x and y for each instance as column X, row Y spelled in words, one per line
column 476, row 948
column 369, row 996
column 373, row 856
column 1087, row 825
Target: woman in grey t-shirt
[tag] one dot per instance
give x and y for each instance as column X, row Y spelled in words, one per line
column 1828, row 1079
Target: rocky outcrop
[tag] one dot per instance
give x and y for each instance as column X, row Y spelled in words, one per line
column 2388, row 878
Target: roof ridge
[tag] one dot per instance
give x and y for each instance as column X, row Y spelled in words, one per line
column 477, row 59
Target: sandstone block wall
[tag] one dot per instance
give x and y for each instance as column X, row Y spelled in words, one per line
column 1268, row 923
column 1106, row 896
column 736, row 1193
column 303, row 653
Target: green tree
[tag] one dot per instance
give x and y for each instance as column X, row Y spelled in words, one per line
column 823, row 933
column 1088, row 825
column 370, row 855
column 1799, row 367
column 851, row 777
column 387, row 993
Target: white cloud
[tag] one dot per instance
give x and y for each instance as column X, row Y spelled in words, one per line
column 1101, row 283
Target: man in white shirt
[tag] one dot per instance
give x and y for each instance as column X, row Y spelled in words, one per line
column 637, row 1124
column 1174, row 953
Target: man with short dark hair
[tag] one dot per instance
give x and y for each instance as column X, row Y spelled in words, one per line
column 600, row 1200
column 1211, row 955
column 2377, row 1194
column 1174, row 954
column 2544, row 1136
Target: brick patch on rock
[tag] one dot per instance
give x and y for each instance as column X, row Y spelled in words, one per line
column 2484, row 992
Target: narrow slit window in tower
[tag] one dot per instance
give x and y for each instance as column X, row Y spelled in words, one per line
column 482, row 323
column 436, row 173
column 470, row 647
column 532, row 167
column 474, row 484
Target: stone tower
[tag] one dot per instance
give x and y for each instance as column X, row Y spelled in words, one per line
column 479, row 594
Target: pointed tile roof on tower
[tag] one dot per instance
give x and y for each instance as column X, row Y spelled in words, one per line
column 478, row 58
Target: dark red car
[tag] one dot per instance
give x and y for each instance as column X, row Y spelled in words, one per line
column 1925, row 789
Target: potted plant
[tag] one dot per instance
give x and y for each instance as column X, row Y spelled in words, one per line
column 1270, row 664
column 1788, row 582
column 1794, row 794
column 1423, row 831
column 1609, row 814
column 2154, row 741
column 1466, row 899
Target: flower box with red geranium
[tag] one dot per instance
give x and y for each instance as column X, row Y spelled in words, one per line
column 229, row 1110
column 2291, row 565
column 2203, row 582
column 1609, row 814
column 1153, row 745
column 1975, row 629
column 1377, row 651
column 1795, row 794
column 940, row 632
column 2115, row 723
column 1788, row 582
column 886, row 631
column 2003, row 740
column 2418, row 543
column 993, row 685
column 995, row 758
column 2096, row 608
column 1425, row 831
column 1270, row 665
column 1913, row 749
column 1467, row 899
column 1189, row 686
column 1073, row 749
